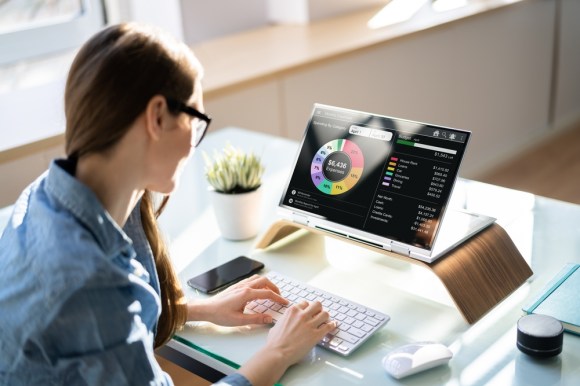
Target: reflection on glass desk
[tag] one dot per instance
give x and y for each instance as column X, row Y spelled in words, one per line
column 546, row 232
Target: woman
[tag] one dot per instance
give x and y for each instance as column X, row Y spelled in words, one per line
column 87, row 289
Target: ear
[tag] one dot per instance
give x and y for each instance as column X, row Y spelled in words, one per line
column 156, row 114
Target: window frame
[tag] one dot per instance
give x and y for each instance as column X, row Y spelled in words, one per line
column 52, row 38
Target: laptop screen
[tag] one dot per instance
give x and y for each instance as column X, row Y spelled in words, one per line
column 382, row 176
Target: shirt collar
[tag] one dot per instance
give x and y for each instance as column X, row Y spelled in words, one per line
column 86, row 207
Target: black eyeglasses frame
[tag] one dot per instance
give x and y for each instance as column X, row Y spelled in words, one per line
column 180, row 106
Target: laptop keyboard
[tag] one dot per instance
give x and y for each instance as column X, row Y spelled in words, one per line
column 356, row 323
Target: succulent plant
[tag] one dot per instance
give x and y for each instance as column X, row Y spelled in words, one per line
column 233, row 171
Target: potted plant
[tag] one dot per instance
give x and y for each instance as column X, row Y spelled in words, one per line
column 235, row 178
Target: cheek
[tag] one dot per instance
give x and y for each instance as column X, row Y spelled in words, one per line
column 182, row 151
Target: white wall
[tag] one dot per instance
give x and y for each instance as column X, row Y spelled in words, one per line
column 203, row 20
column 567, row 95
column 162, row 13
column 304, row 11
column 490, row 74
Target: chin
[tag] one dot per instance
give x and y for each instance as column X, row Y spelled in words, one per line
column 167, row 188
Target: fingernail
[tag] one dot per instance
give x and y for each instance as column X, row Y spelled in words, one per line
column 267, row 319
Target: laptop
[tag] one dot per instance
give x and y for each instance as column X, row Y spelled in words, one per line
column 381, row 181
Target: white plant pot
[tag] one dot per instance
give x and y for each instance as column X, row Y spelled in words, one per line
column 238, row 215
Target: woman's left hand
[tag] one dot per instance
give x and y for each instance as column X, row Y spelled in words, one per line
column 227, row 307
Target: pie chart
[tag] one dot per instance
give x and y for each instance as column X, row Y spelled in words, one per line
column 337, row 166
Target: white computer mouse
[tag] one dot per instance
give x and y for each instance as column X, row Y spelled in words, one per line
column 415, row 357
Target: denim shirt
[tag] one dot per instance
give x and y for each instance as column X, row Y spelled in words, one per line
column 79, row 296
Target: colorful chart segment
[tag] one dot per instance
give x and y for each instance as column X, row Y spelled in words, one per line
column 390, row 171
column 337, row 166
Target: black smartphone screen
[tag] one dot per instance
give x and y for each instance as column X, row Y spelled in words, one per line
column 226, row 274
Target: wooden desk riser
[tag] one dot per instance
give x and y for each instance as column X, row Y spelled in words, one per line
column 478, row 274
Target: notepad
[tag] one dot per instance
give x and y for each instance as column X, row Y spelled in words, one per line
column 560, row 298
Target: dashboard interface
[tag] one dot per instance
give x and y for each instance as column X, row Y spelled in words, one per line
column 383, row 176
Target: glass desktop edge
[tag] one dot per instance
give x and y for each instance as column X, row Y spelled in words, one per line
column 219, row 358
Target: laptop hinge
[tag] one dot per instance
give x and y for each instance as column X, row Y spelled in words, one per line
column 299, row 219
column 400, row 249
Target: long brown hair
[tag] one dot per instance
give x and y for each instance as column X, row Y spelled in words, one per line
column 110, row 82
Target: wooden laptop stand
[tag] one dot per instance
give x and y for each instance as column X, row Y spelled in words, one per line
column 478, row 274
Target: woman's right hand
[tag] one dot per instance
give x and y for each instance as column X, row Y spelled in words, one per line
column 303, row 325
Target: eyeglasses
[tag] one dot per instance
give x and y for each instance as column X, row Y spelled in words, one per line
column 203, row 120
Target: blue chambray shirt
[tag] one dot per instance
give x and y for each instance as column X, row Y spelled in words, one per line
column 79, row 296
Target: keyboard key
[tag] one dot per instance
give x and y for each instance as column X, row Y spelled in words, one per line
column 260, row 308
column 344, row 347
column 346, row 336
column 360, row 316
column 268, row 303
column 356, row 332
column 366, row 327
column 339, row 317
column 335, row 342
column 371, row 321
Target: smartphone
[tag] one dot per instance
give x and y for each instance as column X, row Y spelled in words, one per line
column 225, row 275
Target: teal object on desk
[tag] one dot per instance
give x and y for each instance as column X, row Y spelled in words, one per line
column 561, row 299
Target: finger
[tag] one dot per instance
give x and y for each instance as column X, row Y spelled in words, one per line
column 256, row 319
column 301, row 305
column 314, row 308
column 263, row 282
column 248, row 280
column 265, row 294
column 253, row 277
column 242, row 283
column 328, row 326
column 320, row 318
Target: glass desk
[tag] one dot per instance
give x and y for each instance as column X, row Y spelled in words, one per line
column 546, row 231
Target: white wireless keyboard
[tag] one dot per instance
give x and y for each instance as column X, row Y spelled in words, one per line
column 356, row 323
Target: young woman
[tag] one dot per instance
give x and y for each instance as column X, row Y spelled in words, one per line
column 87, row 289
